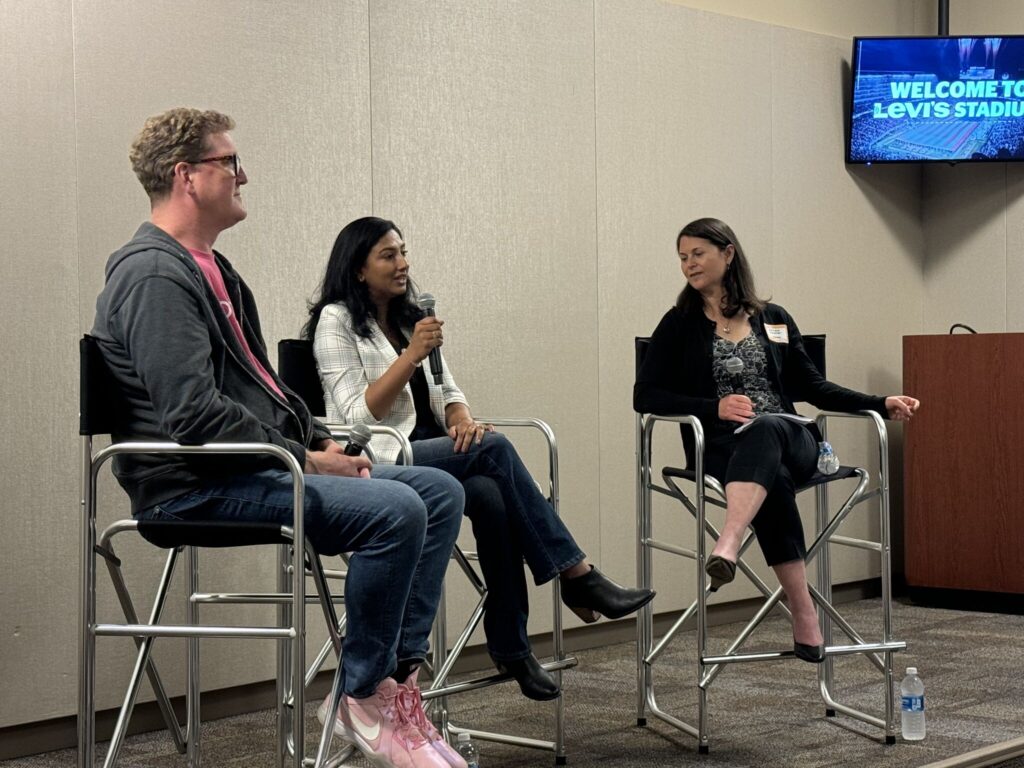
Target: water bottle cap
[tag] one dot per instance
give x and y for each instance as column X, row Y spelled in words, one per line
column 910, row 671
column 463, row 738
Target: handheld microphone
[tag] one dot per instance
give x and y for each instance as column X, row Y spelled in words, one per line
column 427, row 304
column 358, row 438
column 734, row 367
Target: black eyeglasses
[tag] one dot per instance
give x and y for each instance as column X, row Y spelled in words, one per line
column 233, row 162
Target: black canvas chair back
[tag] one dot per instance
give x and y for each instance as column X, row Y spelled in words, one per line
column 297, row 367
column 99, row 396
column 101, row 406
column 814, row 343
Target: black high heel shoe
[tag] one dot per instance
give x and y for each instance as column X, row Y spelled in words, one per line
column 720, row 570
column 534, row 681
column 594, row 595
column 812, row 653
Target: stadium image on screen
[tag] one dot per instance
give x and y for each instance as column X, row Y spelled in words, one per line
column 937, row 99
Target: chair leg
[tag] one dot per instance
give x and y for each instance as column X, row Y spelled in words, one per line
column 284, row 619
column 144, row 661
column 441, row 666
column 193, row 690
column 296, row 677
column 558, row 652
column 87, row 615
column 324, row 591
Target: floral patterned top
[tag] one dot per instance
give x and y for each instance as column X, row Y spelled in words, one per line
column 752, row 378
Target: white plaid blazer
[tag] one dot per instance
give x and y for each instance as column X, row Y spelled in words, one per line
column 348, row 364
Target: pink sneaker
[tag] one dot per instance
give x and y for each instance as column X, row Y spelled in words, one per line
column 379, row 728
column 411, row 702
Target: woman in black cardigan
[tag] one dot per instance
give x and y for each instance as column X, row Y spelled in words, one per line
column 726, row 356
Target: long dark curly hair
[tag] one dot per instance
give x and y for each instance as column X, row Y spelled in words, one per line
column 738, row 282
column 341, row 282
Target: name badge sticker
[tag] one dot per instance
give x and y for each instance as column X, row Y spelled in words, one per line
column 777, row 333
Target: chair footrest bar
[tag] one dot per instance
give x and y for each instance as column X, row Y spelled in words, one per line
column 856, row 714
column 332, row 762
column 184, row 630
column 672, row 548
column 485, row 682
column 832, row 650
column 847, row 541
column 675, row 722
column 265, row 598
column 504, row 738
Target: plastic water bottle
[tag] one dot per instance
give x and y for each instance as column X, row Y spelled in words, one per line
column 828, row 462
column 912, row 706
column 465, row 747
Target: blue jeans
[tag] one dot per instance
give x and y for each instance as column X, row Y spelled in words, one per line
column 511, row 521
column 400, row 527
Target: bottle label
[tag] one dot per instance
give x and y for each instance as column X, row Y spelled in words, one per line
column 913, row 703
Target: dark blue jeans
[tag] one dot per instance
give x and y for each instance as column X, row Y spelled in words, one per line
column 512, row 521
column 400, row 527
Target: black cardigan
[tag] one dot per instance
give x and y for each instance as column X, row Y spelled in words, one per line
column 676, row 375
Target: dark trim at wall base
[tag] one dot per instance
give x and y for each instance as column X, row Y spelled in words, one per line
column 964, row 600
column 61, row 732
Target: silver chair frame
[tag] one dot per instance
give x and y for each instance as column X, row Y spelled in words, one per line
column 709, row 665
column 290, row 599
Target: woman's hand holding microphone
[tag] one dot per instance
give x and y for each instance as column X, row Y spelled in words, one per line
column 426, row 336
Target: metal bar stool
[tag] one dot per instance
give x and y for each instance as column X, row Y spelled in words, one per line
column 708, row 490
column 100, row 404
column 297, row 366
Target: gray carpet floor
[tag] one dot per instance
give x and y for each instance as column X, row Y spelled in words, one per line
column 761, row 715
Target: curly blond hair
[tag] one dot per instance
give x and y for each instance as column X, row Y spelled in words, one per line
column 175, row 136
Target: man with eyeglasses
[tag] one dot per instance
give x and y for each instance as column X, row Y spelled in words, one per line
column 180, row 332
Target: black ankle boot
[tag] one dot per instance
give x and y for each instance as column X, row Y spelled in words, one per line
column 594, row 595
column 534, row 681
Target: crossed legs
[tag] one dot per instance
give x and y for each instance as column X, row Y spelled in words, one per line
column 760, row 492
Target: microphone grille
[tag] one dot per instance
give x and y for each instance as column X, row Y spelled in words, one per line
column 734, row 366
column 360, row 435
column 427, row 301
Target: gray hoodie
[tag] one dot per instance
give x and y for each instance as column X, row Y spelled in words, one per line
column 183, row 372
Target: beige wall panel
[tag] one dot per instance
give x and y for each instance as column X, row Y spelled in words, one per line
column 965, row 269
column 483, row 153
column 39, row 275
column 1015, row 247
column 683, row 130
column 847, row 250
column 295, row 78
column 830, row 17
column 984, row 17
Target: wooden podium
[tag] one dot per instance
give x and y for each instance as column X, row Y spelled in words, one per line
column 964, row 462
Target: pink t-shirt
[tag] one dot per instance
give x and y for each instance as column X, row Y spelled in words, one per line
column 209, row 267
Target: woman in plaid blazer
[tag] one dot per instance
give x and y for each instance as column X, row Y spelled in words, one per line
column 370, row 339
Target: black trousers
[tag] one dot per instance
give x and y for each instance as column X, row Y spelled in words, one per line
column 779, row 455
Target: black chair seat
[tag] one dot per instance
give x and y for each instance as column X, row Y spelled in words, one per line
column 816, row 479
column 168, row 534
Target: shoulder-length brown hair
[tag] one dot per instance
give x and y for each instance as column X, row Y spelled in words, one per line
column 738, row 282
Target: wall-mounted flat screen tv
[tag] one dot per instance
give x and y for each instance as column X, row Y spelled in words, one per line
column 937, row 99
